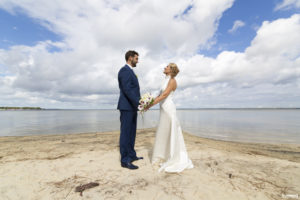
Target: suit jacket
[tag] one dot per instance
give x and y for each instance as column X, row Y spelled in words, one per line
column 129, row 89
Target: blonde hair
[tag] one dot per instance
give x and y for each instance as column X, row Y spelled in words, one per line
column 174, row 69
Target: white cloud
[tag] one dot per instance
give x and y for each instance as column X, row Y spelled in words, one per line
column 268, row 70
column 236, row 25
column 96, row 36
column 288, row 4
column 83, row 73
column 147, row 24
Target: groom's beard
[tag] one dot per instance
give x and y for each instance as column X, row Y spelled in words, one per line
column 133, row 64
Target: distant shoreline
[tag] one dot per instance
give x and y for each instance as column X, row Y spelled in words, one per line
column 21, row 108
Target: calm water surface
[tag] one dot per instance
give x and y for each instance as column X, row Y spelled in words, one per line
column 254, row 125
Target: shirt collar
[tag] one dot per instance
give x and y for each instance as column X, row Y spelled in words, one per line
column 129, row 66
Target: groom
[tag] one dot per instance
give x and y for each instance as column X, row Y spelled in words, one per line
column 128, row 104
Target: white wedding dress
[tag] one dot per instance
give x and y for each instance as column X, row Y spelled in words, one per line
column 169, row 144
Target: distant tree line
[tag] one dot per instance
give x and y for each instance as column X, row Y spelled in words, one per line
column 20, row 108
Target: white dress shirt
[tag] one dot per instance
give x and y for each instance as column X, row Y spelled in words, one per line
column 130, row 67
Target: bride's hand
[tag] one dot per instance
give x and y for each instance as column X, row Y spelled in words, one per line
column 148, row 107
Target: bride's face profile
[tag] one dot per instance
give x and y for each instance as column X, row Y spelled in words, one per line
column 167, row 70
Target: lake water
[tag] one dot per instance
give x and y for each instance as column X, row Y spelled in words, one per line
column 253, row 125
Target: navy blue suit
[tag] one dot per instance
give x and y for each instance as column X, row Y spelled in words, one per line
column 128, row 104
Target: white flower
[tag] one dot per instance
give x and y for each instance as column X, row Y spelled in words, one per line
column 145, row 101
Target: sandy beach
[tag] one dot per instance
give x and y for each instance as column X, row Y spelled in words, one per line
column 52, row 166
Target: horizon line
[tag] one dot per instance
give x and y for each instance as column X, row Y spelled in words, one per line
column 176, row 108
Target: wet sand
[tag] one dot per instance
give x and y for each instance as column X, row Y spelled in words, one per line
column 52, row 166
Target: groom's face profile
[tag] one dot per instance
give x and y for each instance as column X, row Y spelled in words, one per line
column 134, row 60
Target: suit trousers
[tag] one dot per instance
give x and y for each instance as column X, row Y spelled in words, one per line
column 127, row 135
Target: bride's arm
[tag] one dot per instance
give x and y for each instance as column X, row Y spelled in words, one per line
column 165, row 93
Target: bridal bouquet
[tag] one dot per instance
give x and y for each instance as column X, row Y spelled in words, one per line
column 146, row 100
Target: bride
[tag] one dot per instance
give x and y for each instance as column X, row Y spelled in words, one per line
column 169, row 143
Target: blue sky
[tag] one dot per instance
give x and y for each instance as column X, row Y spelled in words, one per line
column 252, row 13
column 74, row 65
column 19, row 29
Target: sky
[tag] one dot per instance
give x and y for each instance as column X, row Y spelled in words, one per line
column 231, row 53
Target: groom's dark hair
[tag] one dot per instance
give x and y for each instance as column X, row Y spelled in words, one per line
column 130, row 53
